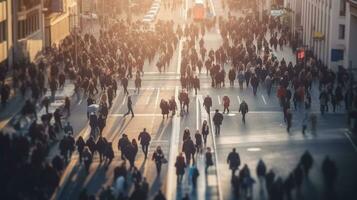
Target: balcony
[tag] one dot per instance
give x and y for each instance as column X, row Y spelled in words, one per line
column 353, row 3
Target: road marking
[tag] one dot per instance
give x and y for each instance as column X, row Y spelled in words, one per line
column 254, row 149
column 185, row 10
column 219, row 100
column 352, row 143
column 212, row 8
column 157, row 97
column 179, row 57
column 265, row 102
column 123, row 101
column 171, row 189
column 197, row 115
column 238, row 100
column 220, row 197
column 137, row 115
column 163, row 131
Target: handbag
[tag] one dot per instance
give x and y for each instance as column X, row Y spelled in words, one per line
column 164, row 160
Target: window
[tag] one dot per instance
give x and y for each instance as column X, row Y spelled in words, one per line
column 3, row 30
column 342, row 7
column 341, row 32
column 29, row 25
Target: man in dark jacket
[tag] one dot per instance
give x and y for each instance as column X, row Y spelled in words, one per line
column 231, row 76
column 130, row 107
column 144, row 138
column 243, row 108
column 217, row 120
column 189, row 149
column 233, row 160
column 122, row 143
column 196, row 84
column 124, row 83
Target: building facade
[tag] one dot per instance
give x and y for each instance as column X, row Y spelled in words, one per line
column 323, row 27
column 5, row 33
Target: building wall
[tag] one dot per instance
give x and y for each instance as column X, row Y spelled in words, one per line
column 28, row 31
column 322, row 16
column 5, row 33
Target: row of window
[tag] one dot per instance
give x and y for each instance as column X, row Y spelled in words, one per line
column 3, row 30
column 29, row 25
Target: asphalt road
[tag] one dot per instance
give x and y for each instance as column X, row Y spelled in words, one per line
column 263, row 136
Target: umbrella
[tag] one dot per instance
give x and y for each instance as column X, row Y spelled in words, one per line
column 92, row 108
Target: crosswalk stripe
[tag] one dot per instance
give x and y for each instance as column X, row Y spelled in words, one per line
column 219, row 100
column 238, row 100
column 265, row 102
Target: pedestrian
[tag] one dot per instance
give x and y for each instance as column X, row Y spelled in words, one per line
column 68, row 129
column 158, row 157
column 261, row 171
column 209, row 159
column 93, row 123
column 205, row 131
column 189, row 149
column 217, row 120
column 101, row 146
column 164, row 106
column 173, row 105
column 231, row 76
column 101, row 123
column 226, row 102
column 306, row 162
column 207, row 103
column 137, row 84
column 198, row 138
column 122, row 143
column 144, row 138
column 80, row 147
column 124, row 83
column 5, row 94
column 196, row 84
column 193, row 174
column 180, row 167
column 109, row 154
column 87, row 157
column 305, row 122
column 329, row 171
column 130, row 107
column 243, row 108
column 67, row 106
column 45, row 103
column 233, row 160
column 57, row 116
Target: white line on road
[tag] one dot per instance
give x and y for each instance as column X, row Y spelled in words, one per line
column 212, row 8
column 171, row 187
column 238, row 100
column 197, row 115
column 179, row 57
column 157, row 97
column 123, row 100
column 219, row 100
column 352, row 143
column 265, row 102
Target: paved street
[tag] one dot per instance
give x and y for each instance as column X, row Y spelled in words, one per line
column 263, row 136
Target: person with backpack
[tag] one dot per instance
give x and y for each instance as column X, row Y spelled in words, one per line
column 217, row 120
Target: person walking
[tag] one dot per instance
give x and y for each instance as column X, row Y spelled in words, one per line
column 193, row 174
column 289, row 119
column 122, row 143
column 226, row 102
column 188, row 148
column 144, row 138
column 198, row 138
column 130, row 107
column 207, row 103
column 217, row 120
column 124, row 83
column 173, row 105
column 205, row 131
column 80, row 147
column 87, row 157
column 159, row 159
column 261, row 171
column 208, row 159
column 243, row 108
column 233, row 160
column 180, row 167
column 196, row 84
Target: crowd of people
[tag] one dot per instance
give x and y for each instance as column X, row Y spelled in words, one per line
column 98, row 65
